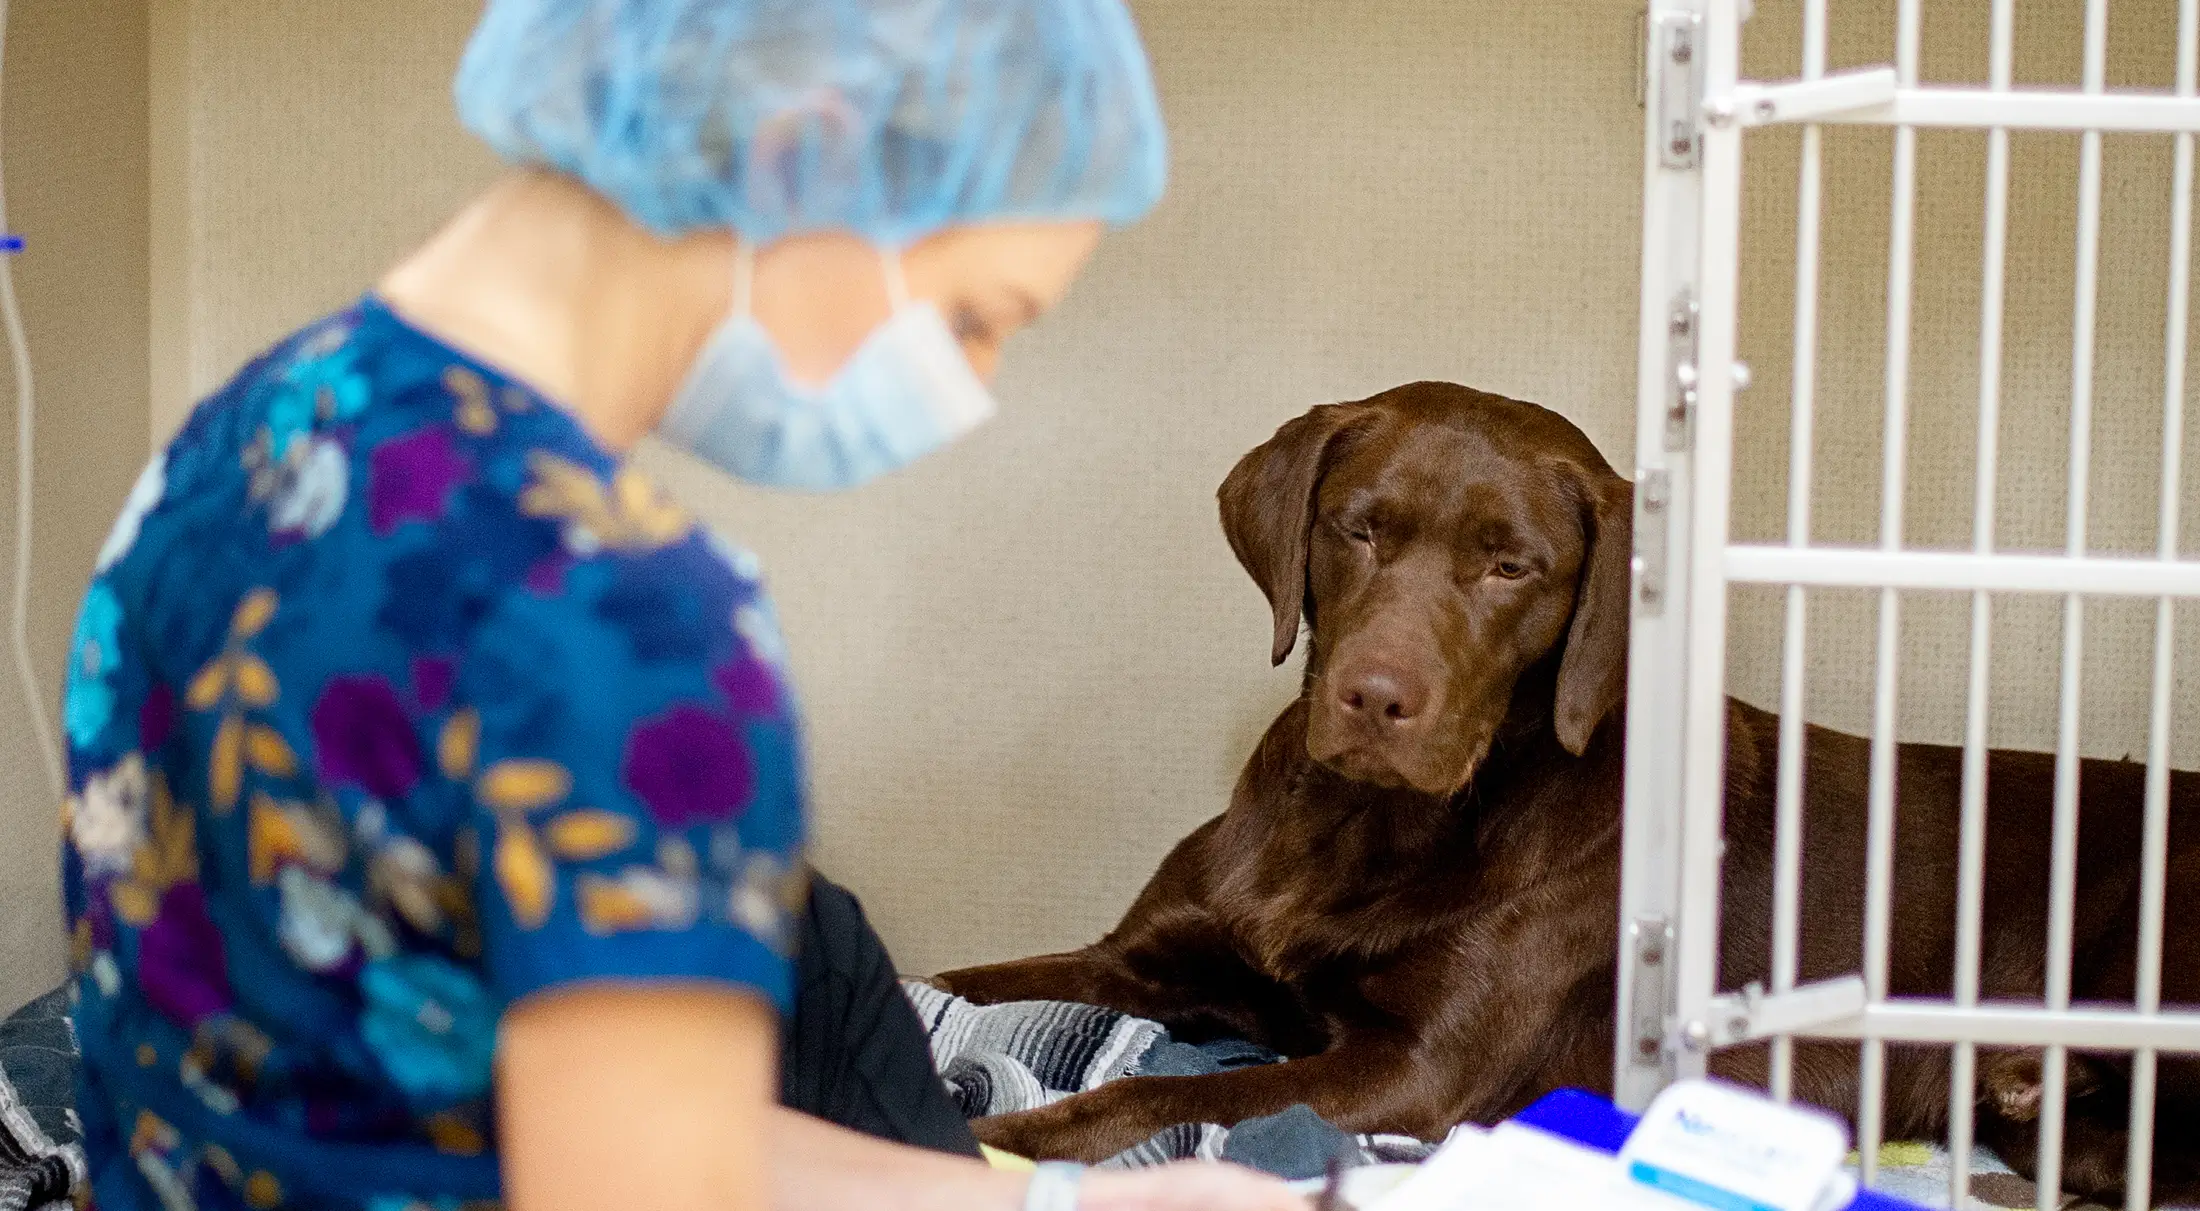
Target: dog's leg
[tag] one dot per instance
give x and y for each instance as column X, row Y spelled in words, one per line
column 1090, row 976
column 1167, row 960
column 1198, row 991
column 2095, row 1139
column 1361, row 1085
column 1408, row 1079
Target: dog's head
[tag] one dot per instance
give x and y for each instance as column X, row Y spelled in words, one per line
column 1440, row 543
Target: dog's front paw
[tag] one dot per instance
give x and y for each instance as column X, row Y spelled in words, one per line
column 1074, row 1129
column 977, row 985
column 946, row 982
column 1032, row 1134
column 2016, row 1081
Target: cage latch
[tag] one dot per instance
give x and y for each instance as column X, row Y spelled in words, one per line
column 1753, row 1013
column 1655, row 486
column 1681, row 328
column 1842, row 94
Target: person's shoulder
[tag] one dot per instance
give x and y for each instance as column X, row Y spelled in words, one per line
column 495, row 520
column 212, row 435
column 630, row 556
column 519, row 499
column 241, row 482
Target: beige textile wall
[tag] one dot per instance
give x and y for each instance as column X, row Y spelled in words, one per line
column 76, row 184
column 1030, row 664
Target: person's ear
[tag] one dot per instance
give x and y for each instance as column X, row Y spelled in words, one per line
column 1268, row 511
column 1592, row 674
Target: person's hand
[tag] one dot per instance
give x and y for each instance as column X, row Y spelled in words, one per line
column 1186, row 1186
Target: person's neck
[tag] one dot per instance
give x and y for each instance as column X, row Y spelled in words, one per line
column 544, row 280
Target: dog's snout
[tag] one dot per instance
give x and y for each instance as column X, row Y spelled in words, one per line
column 1375, row 720
column 1381, row 697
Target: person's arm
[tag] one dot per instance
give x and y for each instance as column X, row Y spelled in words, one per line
column 817, row 1166
column 636, row 1096
column 664, row 1097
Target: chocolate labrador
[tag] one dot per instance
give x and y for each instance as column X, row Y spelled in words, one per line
column 1414, row 892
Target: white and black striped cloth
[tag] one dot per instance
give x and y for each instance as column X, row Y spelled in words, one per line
column 40, row 1160
column 997, row 1059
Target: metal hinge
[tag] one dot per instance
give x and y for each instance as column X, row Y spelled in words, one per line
column 1754, row 1013
column 1650, row 952
column 1677, row 82
column 1642, row 56
column 1655, row 488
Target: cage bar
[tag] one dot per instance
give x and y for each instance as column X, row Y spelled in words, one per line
column 2030, row 109
column 2101, row 1027
column 1657, row 668
column 1788, row 845
column 1971, row 856
column 1879, row 828
column 1857, row 567
column 2062, row 895
column 2154, row 859
column 1703, row 770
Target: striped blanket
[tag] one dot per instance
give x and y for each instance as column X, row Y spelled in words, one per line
column 40, row 1161
column 1002, row 1058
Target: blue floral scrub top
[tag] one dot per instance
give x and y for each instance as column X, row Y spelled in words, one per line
column 395, row 698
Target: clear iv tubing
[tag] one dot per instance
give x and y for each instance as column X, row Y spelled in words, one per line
column 49, row 748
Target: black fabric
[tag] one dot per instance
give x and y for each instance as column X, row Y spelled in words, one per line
column 854, row 1053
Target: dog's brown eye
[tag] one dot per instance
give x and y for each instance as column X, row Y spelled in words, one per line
column 1510, row 569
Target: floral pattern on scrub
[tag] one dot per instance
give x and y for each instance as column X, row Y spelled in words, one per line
column 394, row 699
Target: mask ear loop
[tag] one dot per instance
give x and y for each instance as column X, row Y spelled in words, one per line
column 897, row 284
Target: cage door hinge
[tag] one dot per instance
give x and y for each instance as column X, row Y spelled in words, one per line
column 1650, row 998
column 1753, row 1013
column 1676, row 84
column 1654, row 486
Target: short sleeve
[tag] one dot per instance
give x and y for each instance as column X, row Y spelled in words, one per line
column 633, row 769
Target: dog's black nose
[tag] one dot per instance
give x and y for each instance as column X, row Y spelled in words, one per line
column 1380, row 697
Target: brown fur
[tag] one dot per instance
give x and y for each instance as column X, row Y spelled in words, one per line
column 1413, row 893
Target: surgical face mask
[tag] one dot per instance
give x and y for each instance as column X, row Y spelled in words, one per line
column 905, row 392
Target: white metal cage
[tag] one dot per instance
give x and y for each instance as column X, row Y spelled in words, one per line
column 1672, row 1011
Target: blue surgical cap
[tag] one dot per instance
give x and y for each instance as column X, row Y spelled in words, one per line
column 888, row 118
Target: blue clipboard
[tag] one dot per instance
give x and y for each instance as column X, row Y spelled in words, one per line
column 1592, row 1122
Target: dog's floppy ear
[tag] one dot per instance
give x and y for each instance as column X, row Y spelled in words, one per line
column 1268, row 509
column 1592, row 675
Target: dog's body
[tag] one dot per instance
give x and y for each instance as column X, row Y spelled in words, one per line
column 1414, row 891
